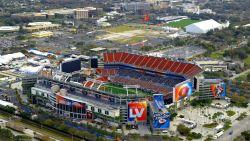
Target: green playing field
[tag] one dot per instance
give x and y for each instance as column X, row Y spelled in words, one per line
column 117, row 89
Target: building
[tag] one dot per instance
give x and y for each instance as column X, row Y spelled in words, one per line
column 81, row 13
column 42, row 34
column 189, row 8
column 135, row 6
column 9, row 28
column 212, row 65
column 80, row 102
column 29, row 15
column 172, row 18
column 211, row 88
column 74, row 94
column 28, row 82
column 63, row 12
column 160, row 117
column 160, row 4
column 203, row 26
column 207, row 11
column 38, row 26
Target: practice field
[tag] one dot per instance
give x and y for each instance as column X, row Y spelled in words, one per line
column 127, row 35
column 182, row 23
column 116, row 89
column 121, row 28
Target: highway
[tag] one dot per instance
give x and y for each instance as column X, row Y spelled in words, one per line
column 236, row 130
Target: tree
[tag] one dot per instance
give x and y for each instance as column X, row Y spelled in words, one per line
column 24, row 51
column 239, row 101
column 246, row 134
column 63, row 127
column 183, row 130
column 23, row 138
column 248, row 77
column 72, row 131
column 6, row 133
column 48, row 122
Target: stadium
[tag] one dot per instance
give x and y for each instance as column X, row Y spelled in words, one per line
column 120, row 87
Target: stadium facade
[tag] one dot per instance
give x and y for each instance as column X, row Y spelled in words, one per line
column 211, row 88
column 120, row 92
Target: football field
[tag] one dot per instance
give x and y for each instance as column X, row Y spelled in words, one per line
column 117, row 89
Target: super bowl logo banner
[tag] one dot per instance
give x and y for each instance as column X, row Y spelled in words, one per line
column 137, row 111
column 218, row 90
column 182, row 91
column 161, row 120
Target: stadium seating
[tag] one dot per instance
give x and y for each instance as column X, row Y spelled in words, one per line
column 106, row 72
column 88, row 84
column 153, row 63
column 167, row 82
column 149, row 86
column 158, row 75
column 103, row 78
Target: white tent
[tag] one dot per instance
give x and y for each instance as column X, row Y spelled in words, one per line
column 31, row 69
column 5, row 103
column 203, row 26
column 5, row 59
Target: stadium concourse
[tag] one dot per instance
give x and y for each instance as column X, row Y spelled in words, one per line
column 152, row 74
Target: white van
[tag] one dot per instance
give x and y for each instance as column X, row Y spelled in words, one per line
column 218, row 134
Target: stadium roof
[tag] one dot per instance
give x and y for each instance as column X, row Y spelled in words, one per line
column 203, row 26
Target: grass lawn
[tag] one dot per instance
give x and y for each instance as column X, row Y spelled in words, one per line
column 211, row 125
column 115, row 89
column 217, row 55
column 121, row 28
column 182, row 23
column 247, row 60
column 132, row 40
column 4, row 116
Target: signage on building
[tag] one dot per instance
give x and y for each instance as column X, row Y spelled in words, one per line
column 137, row 111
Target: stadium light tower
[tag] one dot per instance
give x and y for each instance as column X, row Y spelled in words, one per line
column 131, row 87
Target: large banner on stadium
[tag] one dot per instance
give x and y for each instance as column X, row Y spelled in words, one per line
column 182, row 90
column 68, row 102
column 158, row 101
column 218, row 90
column 161, row 120
column 137, row 111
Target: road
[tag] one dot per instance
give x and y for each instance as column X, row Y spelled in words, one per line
column 55, row 134
column 238, row 75
column 236, row 130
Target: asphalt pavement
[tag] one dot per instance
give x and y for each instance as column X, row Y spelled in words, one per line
column 236, row 130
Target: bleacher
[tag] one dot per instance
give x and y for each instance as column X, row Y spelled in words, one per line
column 149, row 86
column 106, row 72
column 163, row 65
column 167, row 82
